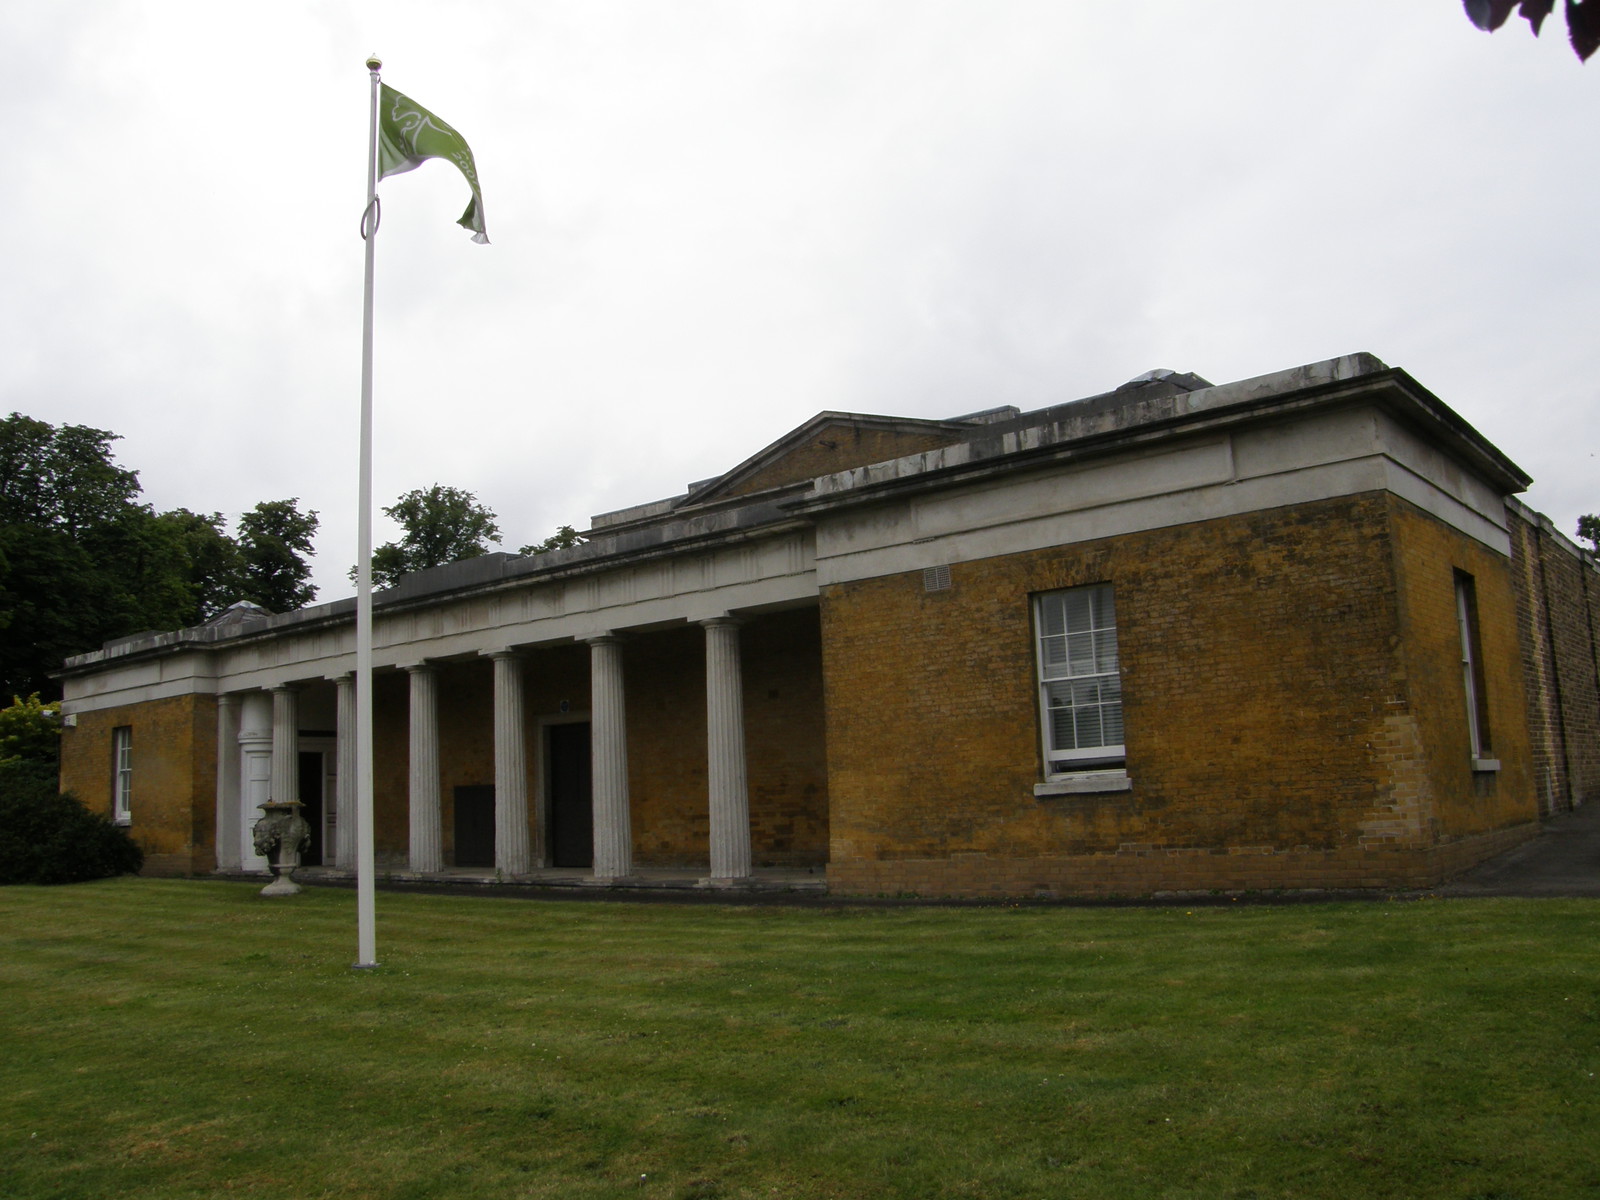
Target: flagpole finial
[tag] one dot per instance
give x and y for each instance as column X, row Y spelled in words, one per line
column 374, row 63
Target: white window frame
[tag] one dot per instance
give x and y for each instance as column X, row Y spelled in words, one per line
column 122, row 775
column 1472, row 676
column 1082, row 656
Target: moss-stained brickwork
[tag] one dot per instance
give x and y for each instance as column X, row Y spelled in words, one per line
column 1558, row 615
column 391, row 757
column 1270, row 733
column 174, row 777
column 1435, row 794
column 781, row 668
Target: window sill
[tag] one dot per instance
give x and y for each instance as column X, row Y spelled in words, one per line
column 1084, row 783
column 1486, row 764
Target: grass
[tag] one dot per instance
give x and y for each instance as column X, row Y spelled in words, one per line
column 187, row 1039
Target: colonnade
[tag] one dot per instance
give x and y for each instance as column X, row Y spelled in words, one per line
column 258, row 752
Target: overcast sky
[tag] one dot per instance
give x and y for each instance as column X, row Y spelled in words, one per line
column 711, row 219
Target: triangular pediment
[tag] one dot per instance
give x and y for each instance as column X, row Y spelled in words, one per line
column 828, row 442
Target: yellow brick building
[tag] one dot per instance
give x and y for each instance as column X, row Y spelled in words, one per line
column 1282, row 633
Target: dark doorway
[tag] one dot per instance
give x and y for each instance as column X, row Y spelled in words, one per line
column 569, row 797
column 475, row 825
column 311, row 800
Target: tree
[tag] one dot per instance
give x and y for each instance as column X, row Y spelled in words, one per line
column 441, row 525
column 1589, row 530
column 1583, row 19
column 274, row 542
column 30, row 731
column 210, row 561
column 563, row 538
column 83, row 560
column 61, row 478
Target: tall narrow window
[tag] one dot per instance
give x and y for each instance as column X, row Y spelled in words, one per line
column 1472, row 672
column 122, row 774
column 1080, row 685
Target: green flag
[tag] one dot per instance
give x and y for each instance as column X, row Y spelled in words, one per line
column 409, row 133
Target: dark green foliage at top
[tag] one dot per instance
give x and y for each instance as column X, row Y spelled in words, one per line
column 441, row 525
column 1589, row 530
column 82, row 560
column 30, row 731
column 47, row 836
column 274, row 544
column 207, row 561
column 562, row 539
column 62, row 478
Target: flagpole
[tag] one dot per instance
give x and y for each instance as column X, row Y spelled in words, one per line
column 366, row 915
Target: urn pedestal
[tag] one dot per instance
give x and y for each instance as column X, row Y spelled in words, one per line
column 280, row 836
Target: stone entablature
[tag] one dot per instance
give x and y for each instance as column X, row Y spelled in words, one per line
column 1147, row 456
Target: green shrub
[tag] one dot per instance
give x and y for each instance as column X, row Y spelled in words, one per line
column 30, row 730
column 47, row 836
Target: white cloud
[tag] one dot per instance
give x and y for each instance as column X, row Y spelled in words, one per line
column 711, row 219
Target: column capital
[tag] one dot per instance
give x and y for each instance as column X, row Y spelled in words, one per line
column 413, row 668
column 720, row 620
column 606, row 637
column 288, row 688
column 501, row 652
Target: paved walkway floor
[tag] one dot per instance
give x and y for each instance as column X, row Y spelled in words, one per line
column 1564, row 860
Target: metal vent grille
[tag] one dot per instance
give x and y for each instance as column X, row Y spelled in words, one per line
column 936, row 579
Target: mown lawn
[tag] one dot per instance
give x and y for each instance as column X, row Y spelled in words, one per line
column 188, row 1039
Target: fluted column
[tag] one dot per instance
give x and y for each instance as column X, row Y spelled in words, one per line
column 255, row 773
column 227, row 832
column 344, row 783
column 510, row 767
column 285, row 744
column 613, row 832
column 427, row 837
column 725, row 760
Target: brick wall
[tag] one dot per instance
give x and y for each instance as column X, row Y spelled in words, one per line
column 174, row 777
column 838, row 447
column 1432, row 703
column 391, row 757
column 466, row 738
column 784, row 739
column 665, row 683
column 1271, row 736
column 1557, row 588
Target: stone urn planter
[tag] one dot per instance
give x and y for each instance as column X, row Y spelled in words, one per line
column 280, row 836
